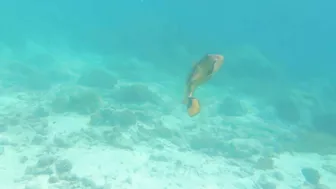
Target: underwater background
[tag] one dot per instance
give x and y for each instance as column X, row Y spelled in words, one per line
column 91, row 95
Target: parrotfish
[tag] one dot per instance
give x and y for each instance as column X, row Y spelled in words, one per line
column 201, row 72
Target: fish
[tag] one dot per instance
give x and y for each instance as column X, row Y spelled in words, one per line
column 201, row 72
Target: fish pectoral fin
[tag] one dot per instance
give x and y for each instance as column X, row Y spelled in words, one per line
column 193, row 106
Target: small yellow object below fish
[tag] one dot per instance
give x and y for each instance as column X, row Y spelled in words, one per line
column 201, row 72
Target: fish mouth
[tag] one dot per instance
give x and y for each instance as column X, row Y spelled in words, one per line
column 217, row 57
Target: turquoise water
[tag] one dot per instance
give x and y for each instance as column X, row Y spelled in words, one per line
column 91, row 95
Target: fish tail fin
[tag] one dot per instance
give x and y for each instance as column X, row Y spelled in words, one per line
column 193, row 106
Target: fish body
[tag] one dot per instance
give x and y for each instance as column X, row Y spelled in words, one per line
column 201, row 72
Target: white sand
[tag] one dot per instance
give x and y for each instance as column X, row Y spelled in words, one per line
column 147, row 167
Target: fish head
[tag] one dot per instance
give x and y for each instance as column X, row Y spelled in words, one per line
column 208, row 65
column 216, row 57
column 217, row 60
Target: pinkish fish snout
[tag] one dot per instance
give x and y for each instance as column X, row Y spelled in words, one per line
column 217, row 57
